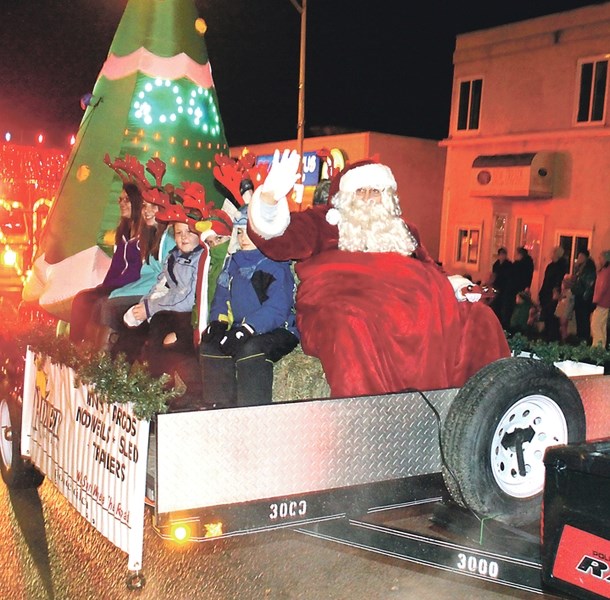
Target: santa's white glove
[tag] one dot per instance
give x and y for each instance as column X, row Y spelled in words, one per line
column 472, row 293
column 283, row 174
column 465, row 290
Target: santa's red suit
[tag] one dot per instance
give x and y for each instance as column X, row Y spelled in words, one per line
column 379, row 322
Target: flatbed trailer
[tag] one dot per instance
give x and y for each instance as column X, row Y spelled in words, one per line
column 565, row 552
column 328, row 468
column 439, row 534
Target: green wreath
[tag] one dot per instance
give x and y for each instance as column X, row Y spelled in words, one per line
column 114, row 381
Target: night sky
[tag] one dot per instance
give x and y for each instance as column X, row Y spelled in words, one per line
column 371, row 66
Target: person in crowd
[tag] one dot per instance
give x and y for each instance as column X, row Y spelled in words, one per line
column 168, row 335
column 372, row 304
column 217, row 240
column 252, row 325
column 168, row 308
column 554, row 274
column 521, row 317
column 174, row 291
column 130, row 205
column 215, row 235
column 565, row 306
column 155, row 241
column 500, row 280
column 601, row 299
column 584, row 277
column 522, row 271
column 124, row 268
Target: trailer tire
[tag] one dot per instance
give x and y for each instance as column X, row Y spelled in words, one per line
column 16, row 472
column 497, row 430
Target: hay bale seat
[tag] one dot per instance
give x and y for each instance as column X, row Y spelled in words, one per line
column 298, row 376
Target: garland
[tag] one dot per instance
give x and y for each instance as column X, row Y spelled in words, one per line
column 553, row 352
column 115, row 381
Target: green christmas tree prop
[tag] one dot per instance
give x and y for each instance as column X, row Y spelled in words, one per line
column 154, row 97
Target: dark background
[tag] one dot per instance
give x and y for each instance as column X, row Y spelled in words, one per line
column 383, row 65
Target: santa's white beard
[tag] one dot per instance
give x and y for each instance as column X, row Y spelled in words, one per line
column 368, row 226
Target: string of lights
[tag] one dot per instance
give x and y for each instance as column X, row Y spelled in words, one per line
column 28, row 173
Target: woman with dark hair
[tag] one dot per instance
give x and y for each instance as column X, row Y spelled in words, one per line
column 130, row 208
column 130, row 217
column 155, row 242
column 124, row 267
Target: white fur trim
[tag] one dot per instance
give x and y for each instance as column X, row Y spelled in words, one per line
column 333, row 216
column 206, row 234
column 367, row 176
column 202, row 294
column 268, row 220
column 472, row 297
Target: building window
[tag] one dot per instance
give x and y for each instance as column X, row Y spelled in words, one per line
column 469, row 107
column 572, row 243
column 529, row 234
column 499, row 233
column 593, row 76
column 468, row 245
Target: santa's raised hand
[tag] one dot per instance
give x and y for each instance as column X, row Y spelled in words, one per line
column 282, row 176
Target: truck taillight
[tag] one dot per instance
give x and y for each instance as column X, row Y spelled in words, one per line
column 181, row 532
column 213, row 530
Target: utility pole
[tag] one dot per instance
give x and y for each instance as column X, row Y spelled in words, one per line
column 302, row 10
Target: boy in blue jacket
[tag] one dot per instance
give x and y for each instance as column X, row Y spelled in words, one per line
column 252, row 325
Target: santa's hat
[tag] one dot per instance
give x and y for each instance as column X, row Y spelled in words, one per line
column 373, row 175
column 367, row 173
column 336, row 180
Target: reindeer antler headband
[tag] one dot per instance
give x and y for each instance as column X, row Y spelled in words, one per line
column 185, row 204
column 239, row 174
column 129, row 169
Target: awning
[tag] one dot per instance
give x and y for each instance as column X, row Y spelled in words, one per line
column 504, row 160
column 524, row 175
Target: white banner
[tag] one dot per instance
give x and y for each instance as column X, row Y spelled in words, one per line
column 94, row 452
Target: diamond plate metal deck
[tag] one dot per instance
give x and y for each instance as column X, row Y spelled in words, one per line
column 218, row 457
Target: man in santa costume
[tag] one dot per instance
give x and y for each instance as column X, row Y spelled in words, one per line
column 371, row 304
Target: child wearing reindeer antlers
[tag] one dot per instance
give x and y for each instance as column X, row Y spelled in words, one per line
column 252, row 325
column 175, row 309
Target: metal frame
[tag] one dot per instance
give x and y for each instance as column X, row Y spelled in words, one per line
column 491, row 559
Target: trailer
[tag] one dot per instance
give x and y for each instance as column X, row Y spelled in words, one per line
column 337, row 469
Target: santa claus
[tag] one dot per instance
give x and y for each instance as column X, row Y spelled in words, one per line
column 371, row 304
